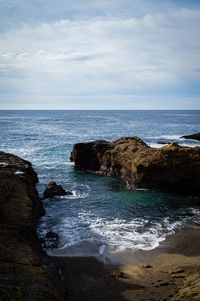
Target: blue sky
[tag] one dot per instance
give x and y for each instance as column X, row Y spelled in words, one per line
column 114, row 54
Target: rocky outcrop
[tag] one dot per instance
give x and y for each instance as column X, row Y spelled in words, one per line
column 26, row 273
column 171, row 167
column 193, row 136
column 190, row 290
column 54, row 189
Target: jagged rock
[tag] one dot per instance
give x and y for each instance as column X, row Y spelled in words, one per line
column 193, row 136
column 26, row 273
column 171, row 167
column 53, row 190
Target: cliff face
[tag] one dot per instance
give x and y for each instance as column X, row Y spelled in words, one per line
column 171, row 168
column 26, row 273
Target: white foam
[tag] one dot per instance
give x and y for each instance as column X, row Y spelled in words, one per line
column 111, row 236
column 102, row 250
column 18, row 172
column 3, row 163
column 68, row 163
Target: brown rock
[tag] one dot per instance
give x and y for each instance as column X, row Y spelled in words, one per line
column 175, row 271
column 171, row 167
column 190, row 291
column 26, row 273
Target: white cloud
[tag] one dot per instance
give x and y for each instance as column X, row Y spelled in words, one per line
column 103, row 56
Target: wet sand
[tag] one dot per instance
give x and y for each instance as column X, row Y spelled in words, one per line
column 169, row 272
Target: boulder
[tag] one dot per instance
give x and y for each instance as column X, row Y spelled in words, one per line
column 171, row 168
column 53, row 190
column 193, row 136
column 26, row 272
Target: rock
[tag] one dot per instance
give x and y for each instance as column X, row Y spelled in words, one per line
column 50, row 241
column 53, row 190
column 26, row 272
column 118, row 274
column 175, row 271
column 190, row 290
column 162, row 142
column 193, row 136
column 172, row 167
column 147, row 266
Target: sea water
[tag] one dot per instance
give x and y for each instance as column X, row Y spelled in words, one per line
column 102, row 217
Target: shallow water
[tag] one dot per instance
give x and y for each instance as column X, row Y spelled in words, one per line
column 102, row 217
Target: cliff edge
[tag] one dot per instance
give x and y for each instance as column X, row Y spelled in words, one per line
column 26, row 273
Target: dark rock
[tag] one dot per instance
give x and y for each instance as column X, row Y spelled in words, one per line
column 26, row 272
column 165, row 142
column 193, row 136
column 171, row 168
column 147, row 266
column 161, row 142
column 53, row 190
column 50, row 241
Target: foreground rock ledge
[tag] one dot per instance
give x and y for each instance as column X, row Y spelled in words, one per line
column 171, row 168
column 26, row 273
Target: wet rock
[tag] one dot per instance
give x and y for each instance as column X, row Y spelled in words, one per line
column 172, row 167
column 26, row 272
column 50, row 241
column 193, row 136
column 55, row 190
column 165, row 142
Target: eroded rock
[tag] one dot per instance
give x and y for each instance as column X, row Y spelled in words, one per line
column 171, row 168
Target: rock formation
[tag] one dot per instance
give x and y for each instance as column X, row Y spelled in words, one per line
column 193, row 136
column 53, row 190
column 26, row 273
column 171, row 167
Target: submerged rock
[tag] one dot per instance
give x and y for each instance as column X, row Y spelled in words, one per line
column 50, row 241
column 170, row 168
column 53, row 190
column 26, row 272
column 165, row 142
column 193, row 136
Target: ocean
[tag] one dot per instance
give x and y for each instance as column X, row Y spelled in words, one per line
column 103, row 217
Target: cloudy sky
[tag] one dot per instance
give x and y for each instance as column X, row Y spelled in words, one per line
column 97, row 54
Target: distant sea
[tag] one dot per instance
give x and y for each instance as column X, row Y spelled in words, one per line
column 103, row 217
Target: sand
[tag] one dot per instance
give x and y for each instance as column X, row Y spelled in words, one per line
column 169, row 272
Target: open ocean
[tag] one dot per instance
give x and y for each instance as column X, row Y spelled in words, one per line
column 103, row 217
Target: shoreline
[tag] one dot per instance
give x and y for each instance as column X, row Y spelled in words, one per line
column 168, row 272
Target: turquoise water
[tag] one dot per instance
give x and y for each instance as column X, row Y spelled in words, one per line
column 102, row 217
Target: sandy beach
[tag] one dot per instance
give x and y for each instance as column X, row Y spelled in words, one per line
column 169, row 272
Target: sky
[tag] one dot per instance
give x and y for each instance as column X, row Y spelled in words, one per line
column 97, row 54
